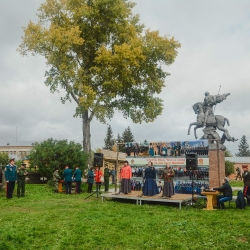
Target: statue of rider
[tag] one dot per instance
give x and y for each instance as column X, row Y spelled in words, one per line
column 209, row 102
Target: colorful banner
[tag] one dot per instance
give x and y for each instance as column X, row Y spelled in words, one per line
column 142, row 161
column 165, row 149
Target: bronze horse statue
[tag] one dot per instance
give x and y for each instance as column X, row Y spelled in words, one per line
column 216, row 121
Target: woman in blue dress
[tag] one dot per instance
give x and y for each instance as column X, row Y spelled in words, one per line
column 150, row 186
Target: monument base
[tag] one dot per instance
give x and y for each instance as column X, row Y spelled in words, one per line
column 216, row 167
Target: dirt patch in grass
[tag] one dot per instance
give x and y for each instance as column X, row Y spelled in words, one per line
column 242, row 239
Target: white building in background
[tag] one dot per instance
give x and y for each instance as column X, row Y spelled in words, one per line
column 16, row 149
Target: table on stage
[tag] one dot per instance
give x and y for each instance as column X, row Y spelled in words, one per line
column 211, row 199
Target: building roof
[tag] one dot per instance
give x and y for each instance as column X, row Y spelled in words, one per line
column 112, row 155
column 16, row 143
column 238, row 159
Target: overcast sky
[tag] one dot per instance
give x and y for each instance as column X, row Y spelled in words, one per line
column 215, row 50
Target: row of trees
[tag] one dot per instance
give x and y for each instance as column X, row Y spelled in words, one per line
column 110, row 141
column 51, row 154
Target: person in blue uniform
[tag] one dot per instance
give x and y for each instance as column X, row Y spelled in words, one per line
column 90, row 180
column 78, row 179
column 150, row 186
column 10, row 174
column 67, row 175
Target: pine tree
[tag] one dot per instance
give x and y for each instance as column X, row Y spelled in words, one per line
column 127, row 135
column 109, row 140
column 243, row 148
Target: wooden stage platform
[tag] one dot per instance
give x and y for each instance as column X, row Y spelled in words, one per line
column 136, row 196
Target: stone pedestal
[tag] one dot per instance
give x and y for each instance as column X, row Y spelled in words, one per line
column 216, row 167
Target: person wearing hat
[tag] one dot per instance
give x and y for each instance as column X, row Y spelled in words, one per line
column 227, row 193
column 246, row 181
column 10, row 174
column 67, row 175
column 106, row 177
column 21, row 175
column 78, row 179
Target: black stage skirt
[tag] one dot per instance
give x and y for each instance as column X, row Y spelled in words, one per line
column 125, row 186
column 168, row 189
column 150, row 187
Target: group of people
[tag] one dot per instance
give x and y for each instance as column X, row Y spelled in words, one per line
column 150, row 187
column 96, row 175
column 15, row 175
column 226, row 189
column 68, row 177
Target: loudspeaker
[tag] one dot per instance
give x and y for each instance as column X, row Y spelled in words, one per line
column 98, row 160
column 191, row 161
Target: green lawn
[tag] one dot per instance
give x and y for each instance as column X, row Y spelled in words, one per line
column 44, row 220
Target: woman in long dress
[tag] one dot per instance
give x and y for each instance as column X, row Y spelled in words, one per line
column 150, row 186
column 126, row 175
column 168, row 188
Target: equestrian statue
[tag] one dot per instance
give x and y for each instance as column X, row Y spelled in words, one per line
column 210, row 122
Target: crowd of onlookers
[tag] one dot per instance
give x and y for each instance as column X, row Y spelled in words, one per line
column 161, row 149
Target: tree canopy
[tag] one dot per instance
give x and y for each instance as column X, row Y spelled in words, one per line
column 103, row 57
column 243, row 148
column 51, row 154
column 228, row 153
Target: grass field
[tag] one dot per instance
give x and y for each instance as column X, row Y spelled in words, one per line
column 44, row 220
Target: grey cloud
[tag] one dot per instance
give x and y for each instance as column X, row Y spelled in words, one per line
column 215, row 51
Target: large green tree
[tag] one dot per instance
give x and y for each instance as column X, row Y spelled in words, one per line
column 243, row 148
column 103, row 57
column 109, row 140
column 51, row 154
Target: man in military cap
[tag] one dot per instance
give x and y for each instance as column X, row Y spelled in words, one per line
column 106, row 177
column 10, row 177
column 21, row 175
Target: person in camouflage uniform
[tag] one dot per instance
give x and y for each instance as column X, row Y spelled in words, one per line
column 56, row 179
column 21, row 175
column 238, row 173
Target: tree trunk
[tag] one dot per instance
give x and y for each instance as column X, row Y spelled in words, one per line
column 86, row 136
